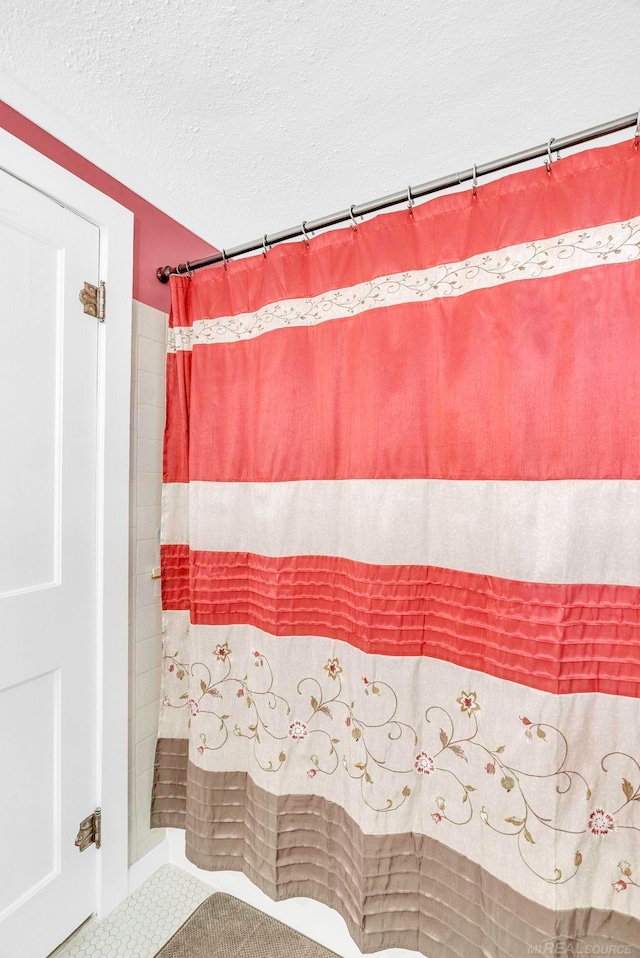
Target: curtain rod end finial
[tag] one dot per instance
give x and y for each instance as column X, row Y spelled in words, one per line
column 163, row 273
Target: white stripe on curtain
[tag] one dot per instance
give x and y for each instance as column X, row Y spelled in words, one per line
column 556, row 532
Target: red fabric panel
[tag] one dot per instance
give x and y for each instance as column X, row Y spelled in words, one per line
column 516, row 208
column 175, row 461
column 531, row 380
column 556, row 638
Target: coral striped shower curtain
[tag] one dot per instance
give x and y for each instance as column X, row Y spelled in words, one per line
column 401, row 568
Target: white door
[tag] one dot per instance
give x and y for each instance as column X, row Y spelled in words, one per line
column 48, row 388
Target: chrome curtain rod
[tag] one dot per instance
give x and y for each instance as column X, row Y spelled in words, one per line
column 409, row 194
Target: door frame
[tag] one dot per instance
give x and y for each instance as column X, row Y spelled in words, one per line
column 115, row 224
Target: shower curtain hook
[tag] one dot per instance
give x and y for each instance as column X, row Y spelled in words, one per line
column 354, row 225
column 636, row 138
column 303, row 227
column 264, row 245
column 410, row 201
column 548, row 160
column 224, row 259
column 474, row 182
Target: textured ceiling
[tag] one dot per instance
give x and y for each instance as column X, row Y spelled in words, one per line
column 244, row 117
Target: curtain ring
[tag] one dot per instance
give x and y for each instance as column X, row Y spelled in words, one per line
column 474, row 182
column 410, row 201
column 303, row 227
column 636, row 138
column 354, row 225
column 264, row 245
column 224, row 259
column 548, row 160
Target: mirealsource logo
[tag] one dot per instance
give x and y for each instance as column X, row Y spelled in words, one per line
column 574, row 948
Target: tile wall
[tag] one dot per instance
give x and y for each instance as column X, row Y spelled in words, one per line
column 145, row 638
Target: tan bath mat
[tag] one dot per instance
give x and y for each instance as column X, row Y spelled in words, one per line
column 225, row 927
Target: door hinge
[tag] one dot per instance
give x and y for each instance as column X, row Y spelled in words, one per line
column 93, row 299
column 90, row 831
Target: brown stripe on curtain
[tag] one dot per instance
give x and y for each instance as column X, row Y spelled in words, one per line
column 393, row 891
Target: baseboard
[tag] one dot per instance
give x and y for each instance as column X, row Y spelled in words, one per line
column 311, row 918
column 148, row 865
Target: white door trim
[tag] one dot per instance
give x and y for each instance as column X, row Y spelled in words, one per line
column 115, row 223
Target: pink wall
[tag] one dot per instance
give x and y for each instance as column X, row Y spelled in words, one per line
column 158, row 239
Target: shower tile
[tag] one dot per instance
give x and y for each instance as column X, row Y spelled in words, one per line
column 150, row 421
column 145, row 754
column 148, row 521
column 148, row 653
column 143, row 813
column 150, row 455
column 132, row 648
column 133, row 545
column 132, row 742
column 147, row 721
column 147, row 688
column 151, row 355
column 152, row 324
column 147, row 555
column 148, row 840
column 148, row 621
column 133, row 448
column 150, row 388
column 143, row 792
column 149, row 336
column 131, row 786
column 132, row 507
column 133, row 844
column 145, row 590
column 149, row 488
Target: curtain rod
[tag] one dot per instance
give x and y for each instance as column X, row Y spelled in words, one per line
column 409, row 194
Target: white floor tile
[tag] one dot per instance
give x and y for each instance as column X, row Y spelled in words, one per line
column 142, row 923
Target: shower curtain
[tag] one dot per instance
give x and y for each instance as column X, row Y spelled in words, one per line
column 401, row 568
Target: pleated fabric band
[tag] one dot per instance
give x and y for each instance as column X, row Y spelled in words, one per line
column 409, row 891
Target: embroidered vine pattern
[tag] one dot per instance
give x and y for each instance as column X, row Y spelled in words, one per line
column 626, row 881
column 528, row 261
column 522, row 825
column 259, row 700
column 362, row 760
column 631, row 794
column 325, row 730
